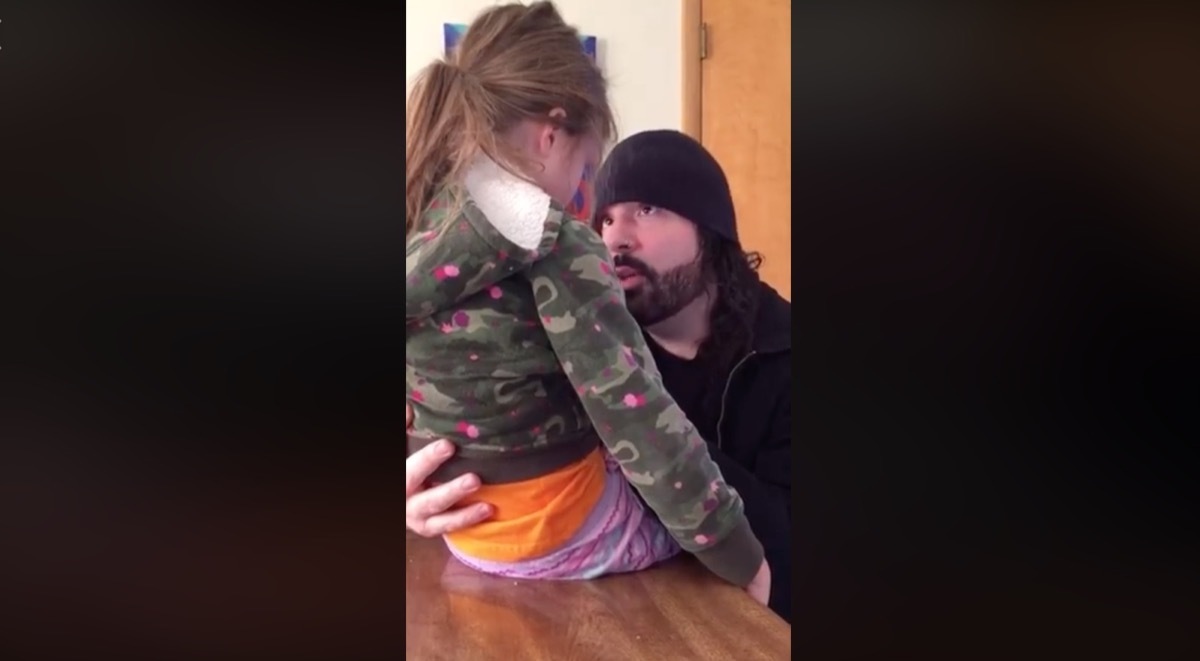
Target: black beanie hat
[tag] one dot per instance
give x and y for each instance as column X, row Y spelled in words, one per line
column 670, row 170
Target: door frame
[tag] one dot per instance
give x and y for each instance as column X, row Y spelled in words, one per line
column 692, row 77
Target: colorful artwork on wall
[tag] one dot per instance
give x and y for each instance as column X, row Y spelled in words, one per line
column 581, row 205
column 452, row 33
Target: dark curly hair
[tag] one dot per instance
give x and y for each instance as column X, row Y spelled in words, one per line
column 731, row 333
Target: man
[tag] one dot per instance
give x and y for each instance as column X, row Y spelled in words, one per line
column 719, row 335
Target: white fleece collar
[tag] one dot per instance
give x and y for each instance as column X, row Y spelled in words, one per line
column 515, row 207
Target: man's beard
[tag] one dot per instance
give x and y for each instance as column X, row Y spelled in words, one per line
column 661, row 296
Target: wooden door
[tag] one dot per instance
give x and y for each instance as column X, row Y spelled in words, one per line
column 737, row 77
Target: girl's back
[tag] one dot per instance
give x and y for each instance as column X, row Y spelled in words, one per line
column 481, row 370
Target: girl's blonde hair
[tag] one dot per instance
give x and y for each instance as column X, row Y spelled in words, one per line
column 514, row 63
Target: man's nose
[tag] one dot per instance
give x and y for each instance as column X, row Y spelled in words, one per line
column 621, row 238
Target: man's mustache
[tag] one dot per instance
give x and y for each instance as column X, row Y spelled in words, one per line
column 641, row 268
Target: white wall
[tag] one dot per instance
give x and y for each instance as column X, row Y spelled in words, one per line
column 639, row 47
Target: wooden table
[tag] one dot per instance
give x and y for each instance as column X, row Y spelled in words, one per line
column 676, row 612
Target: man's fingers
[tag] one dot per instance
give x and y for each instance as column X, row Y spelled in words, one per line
column 455, row 520
column 429, row 512
column 439, row 499
column 423, row 463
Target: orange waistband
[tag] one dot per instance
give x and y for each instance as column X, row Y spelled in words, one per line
column 534, row 517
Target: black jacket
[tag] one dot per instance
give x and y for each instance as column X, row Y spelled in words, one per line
column 753, row 447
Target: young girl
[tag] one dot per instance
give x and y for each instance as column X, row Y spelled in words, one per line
column 518, row 345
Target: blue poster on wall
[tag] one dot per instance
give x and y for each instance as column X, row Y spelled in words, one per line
column 453, row 32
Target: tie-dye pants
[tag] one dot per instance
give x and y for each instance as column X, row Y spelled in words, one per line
column 618, row 536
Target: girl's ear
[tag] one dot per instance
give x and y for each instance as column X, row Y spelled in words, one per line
column 547, row 135
column 551, row 130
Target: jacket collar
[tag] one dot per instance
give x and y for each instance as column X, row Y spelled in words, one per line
column 515, row 207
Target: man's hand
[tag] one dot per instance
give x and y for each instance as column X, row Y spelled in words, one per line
column 428, row 512
column 760, row 585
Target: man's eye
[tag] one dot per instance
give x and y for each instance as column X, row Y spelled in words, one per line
column 647, row 210
column 606, row 222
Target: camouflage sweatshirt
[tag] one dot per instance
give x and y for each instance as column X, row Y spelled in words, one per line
column 520, row 350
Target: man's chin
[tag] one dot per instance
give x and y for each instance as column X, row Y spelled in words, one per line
column 638, row 303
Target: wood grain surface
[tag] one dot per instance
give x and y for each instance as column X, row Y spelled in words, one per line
column 677, row 611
